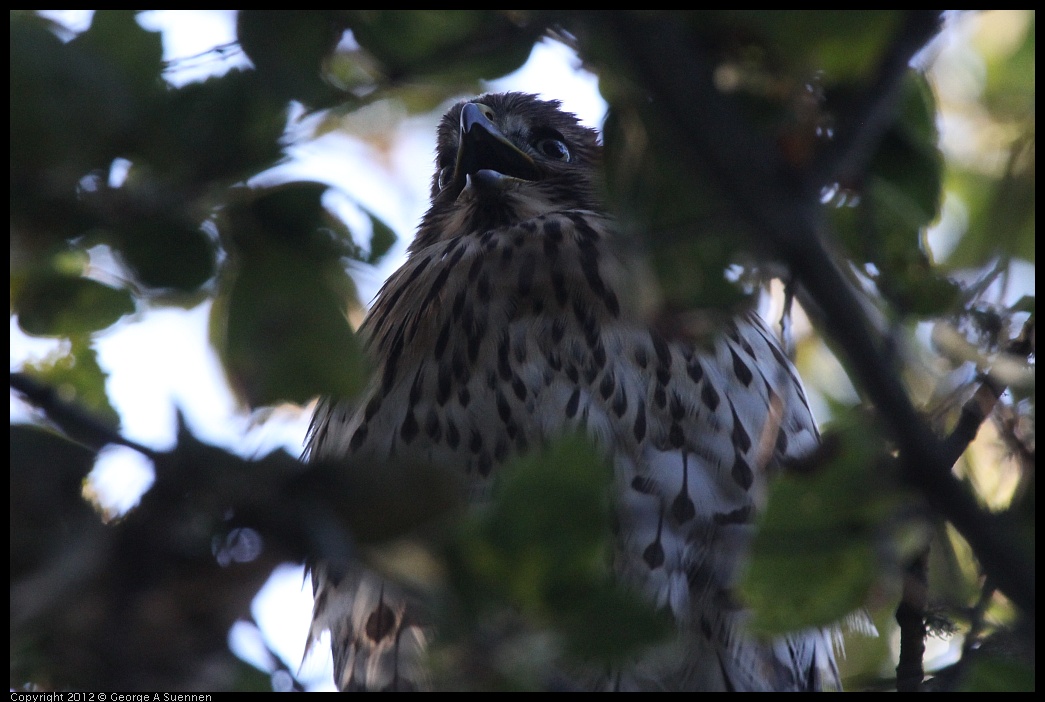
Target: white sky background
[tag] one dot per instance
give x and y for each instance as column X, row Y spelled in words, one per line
column 160, row 361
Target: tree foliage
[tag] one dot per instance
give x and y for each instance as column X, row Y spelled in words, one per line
column 778, row 143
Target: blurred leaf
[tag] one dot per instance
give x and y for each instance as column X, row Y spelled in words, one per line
column 280, row 317
column 77, row 378
column 844, row 44
column 130, row 49
column 543, row 546
column 446, row 44
column 58, row 304
column 997, row 673
column 166, row 253
column 226, row 128
column 381, row 240
column 825, row 518
column 289, row 49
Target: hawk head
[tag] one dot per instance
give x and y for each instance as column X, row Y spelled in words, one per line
column 504, row 158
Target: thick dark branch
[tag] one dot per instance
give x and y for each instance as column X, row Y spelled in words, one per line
column 88, row 427
column 859, row 127
column 783, row 206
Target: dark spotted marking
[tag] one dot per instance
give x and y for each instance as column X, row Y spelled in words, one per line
column 660, row 398
column 654, row 553
column 620, row 403
column 371, row 408
column 572, row 404
column 707, row 631
column 589, row 324
column 527, row 226
column 476, row 443
column 709, row 396
column 416, row 387
column 482, row 289
column 409, row 428
column 607, row 386
column 590, row 268
column 572, row 374
column 676, row 437
column 506, row 254
column 552, row 230
column 640, row 357
column 678, row 410
column 612, row 303
column 740, row 369
column 504, row 367
column 381, row 622
column 598, row 355
column 389, row 376
column 433, row 427
column 590, row 372
column 558, row 329
column 559, row 287
column 526, row 271
column 500, row 449
column 683, row 508
column 443, row 387
column 740, row 437
column 463, row 396
column 695, row 370
column 473, row 270
column 741, row 515
column 475, row 340
column 453, row 436
column 484, row 464
column 661, row 348
column 459, row 302
column 437, row 287
column 643, row 484
column 781, row 442
column 519, row 388
column 504, row 410
column 741, row 472
column 441, row 341
column 639, row 428
column 358, row 437
column 459, row 368
column 663, row 376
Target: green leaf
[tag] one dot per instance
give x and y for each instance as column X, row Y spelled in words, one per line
column 826, row 519
column 60, row 304
column 132, row 51
column 996, row 673
column 280, row 318
column 76, row 377
column 165, row 252
column 289, row 49
column 381, row 240
column 446, row 44
column 226, row 128
column 543, row 547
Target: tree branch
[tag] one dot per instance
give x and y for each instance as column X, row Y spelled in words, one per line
column 783, row 207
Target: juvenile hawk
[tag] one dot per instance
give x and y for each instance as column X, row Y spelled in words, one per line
column 511, row 322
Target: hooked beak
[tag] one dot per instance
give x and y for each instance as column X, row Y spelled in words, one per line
column 486, row 156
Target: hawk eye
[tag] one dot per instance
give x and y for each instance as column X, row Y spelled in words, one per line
column 554, row 148
column 444, row 176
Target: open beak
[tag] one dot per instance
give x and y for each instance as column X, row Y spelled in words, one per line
column 486, row 155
